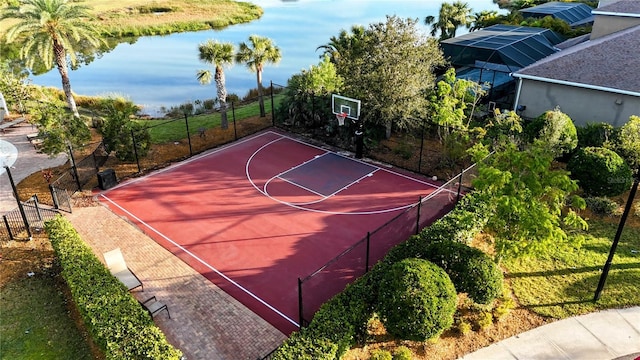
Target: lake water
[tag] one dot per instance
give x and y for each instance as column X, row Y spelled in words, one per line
column 161, row 71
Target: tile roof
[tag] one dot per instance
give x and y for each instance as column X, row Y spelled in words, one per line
column 610, row 61
column 621, row 7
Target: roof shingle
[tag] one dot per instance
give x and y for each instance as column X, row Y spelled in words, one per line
column 611, row 62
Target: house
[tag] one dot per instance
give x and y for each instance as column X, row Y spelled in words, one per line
column 573, row 13
column 490, row 55
column 594, row 81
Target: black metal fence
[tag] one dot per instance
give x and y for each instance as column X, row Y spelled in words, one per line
column 335, row 275
column 425, row 150
column 23, row 221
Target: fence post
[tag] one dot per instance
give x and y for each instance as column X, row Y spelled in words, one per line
column 366, row 266
column 313, row 105
column 20, row 208
column 54, row 196
column 35, row 199
column 75, row 169
column 6, row 223
column 300, row 313
column 273, row 111
column 459, row 186
column 421, row 148
column 186, row 122
column 95, row 162
column 135, row 150
column 418, row 218
column 233, row 115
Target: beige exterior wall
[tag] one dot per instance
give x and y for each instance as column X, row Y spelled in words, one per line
column 582, row 105
column 605, row 24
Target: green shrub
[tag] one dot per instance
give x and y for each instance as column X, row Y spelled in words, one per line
column 402, row 353
column 342, row 321
column 598, row 135
column 380, row 354
column 116, row 321
column 485, row 320
column 601, row 205
column 628, row 144
column 463, row 327
column 556, row 129
column 600, row 171
column 471, row 270
column 417, row 300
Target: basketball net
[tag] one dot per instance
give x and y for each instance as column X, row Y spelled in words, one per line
column 341, row 117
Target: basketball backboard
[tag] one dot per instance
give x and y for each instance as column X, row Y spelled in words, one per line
column 344, row 105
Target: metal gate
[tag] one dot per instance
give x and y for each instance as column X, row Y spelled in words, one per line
column 61, row 198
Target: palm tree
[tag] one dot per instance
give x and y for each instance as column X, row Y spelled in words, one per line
column 259, row 51
column 219, row 55
column 450, row 18
column 482, row 19
column 344, row 43
column 52, row 31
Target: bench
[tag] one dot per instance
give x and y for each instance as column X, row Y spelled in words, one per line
column 9, row 124
column 118, row 267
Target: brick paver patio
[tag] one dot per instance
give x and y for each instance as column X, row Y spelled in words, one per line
column 205, row 322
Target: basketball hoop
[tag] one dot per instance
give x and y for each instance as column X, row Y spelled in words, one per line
column 341, row 117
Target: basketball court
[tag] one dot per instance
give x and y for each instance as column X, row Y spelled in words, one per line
column 258, row 214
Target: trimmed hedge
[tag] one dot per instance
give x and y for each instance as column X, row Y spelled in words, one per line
column 596, row 134
column 601, row 205
column 341, row 322
column 556, row 129
column 600, row 171
column 417, row 300
column 114, row 318
column 471, row 270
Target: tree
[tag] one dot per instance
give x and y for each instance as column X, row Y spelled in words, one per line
column 390, row 68
column 556, row 130
column 453, row 101
column 482, row 19
column 219, row 55
column 258, row 52
column 15, row 89
column 450, row 18
column 346, row 43
column 59, row 129
column 321, row 80
column 528, row 199
column 52, row 32
column 118, row 130
column 629, row 142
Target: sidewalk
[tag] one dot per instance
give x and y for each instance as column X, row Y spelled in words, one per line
column 29, row 161
column 605, row 335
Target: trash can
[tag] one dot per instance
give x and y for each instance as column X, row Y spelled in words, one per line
column 107, row 179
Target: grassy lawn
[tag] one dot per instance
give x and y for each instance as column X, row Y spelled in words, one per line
column 163, row 131
column 157, row 17
column 563, row 283
column 35, row 322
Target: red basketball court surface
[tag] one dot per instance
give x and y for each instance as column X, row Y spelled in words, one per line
column 256, row 215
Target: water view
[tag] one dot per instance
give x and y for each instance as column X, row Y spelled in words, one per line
column 159, row 71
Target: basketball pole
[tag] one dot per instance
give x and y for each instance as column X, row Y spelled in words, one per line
column 614, row 245
column 359, row 140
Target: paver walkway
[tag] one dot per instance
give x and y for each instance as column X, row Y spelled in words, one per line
column 205, row 322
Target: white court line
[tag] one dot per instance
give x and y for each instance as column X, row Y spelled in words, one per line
column 193, row 158
column 364, row 162
column 203, row 262
column 324, row 197
column 293, row 205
